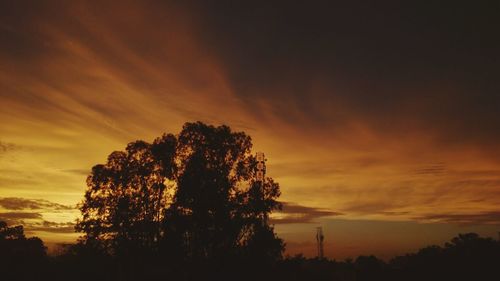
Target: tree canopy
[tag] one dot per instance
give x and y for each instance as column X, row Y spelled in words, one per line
column 192, row 195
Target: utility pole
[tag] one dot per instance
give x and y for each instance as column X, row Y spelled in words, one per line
column 319, row 240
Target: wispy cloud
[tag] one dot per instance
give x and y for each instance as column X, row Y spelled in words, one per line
column 492, row 217
column 16, row 203
column 23, row 218
column 295, row 213
column 6, row 147
column 83, row 172
column 18, row 216
column 372, row 207
column 433, row 169
column 52, row 227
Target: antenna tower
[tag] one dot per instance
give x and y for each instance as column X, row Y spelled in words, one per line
column 319, row 239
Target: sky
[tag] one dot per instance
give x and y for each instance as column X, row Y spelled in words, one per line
column 380, row 121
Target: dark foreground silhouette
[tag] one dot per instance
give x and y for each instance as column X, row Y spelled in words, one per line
column 195, row 206
column 465, row 257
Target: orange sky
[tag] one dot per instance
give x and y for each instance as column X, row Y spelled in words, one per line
column 387, row 155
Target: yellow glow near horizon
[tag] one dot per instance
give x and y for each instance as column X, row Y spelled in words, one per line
column 91, row 84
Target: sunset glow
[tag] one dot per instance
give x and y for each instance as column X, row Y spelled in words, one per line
column 366, row 134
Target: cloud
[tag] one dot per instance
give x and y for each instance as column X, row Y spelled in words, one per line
column 366, row 207
column 294, row 213
column 434, row 169
column 6, row 147
column 20, row 215
column 16, row 203
column 14, row 218
column 52, row 227
column 33, row 221
column 343, row 63
column 490, row 217
column 30, row 213
column 84, row 172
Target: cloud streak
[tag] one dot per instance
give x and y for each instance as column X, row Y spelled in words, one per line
column 492, row 217
column 52, row 227
column 16, row 203
column 295, row 213
column 20, row 215
column 6, row 147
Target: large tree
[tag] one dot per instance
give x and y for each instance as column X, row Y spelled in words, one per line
column 193, row 195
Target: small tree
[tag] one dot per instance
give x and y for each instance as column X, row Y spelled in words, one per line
column 18, row 253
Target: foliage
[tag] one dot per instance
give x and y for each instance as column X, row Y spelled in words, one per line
column 189, row 197
column 17, row 253
column 465, row 257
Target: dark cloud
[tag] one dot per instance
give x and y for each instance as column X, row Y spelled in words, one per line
column 15, row 203
column 294, row 213
column 14, row 218
column 20, row 215
column 393, row 65
column 53, row 227
column 476, row 183
column 492, row 217
column 19, row 37
column 370, row 208
column 6, row 147
column 434, row 170
column 84, row 172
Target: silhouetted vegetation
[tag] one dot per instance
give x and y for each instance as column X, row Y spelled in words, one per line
column 188, row 207
column 21, row 258
column 465, row 257
column 190, row 199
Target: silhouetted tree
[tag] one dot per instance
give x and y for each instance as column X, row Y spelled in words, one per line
column 191, row 196
column 13, row 243
column 369, row 268
column 465, row 257
column 11, row 233
column 21, row 258
column 125, row 199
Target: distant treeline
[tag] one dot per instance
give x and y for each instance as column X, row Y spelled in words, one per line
column 465, row 257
